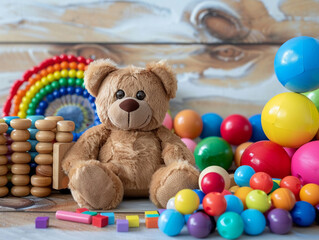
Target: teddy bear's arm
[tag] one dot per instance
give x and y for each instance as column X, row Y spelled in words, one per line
column 173, row 149
column 86, row 148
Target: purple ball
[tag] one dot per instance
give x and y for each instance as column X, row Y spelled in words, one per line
column 280, row 221
column 199, row 225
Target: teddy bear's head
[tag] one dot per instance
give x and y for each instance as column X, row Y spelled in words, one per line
column 131, row 98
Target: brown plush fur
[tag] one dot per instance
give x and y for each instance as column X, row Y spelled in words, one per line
column 130, row 153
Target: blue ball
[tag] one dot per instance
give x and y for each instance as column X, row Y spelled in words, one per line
column 242, row 175
column 303, row 214
column 254, row 221
column 70, row 90
column 171, row 222
column 56, row 94
column 296, row 64
column 230, row 225
column 86, row 93
column 234, row 204
column 43, row 105
column 211, row 125
column 39, row 111
column 258, row 132
column 91, row 99
column 78, row 91
column 200, row 194
column 63, row 91
column 50, row 97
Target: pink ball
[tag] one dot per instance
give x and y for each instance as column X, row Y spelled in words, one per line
column 290, row 151
column 190, row 144
column 168, row 121
column 305, row 163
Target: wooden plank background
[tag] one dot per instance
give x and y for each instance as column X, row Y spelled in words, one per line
column 222, row 51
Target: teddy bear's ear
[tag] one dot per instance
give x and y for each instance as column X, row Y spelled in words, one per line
column 165, row 73
column 96, row 73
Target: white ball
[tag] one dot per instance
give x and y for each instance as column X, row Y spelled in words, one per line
column 171, row 203
column 216, row 169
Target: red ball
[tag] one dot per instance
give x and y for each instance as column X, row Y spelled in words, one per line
column 236, row 129
column 293, row 184
column 212, row 182
column 268, row 157
column 214, row 204
column 261, row 181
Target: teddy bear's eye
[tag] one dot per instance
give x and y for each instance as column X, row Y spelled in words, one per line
column 120, row 94
column 140, row 95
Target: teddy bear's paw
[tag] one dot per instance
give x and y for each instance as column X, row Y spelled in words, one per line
column 95, row 187
column 167, row 181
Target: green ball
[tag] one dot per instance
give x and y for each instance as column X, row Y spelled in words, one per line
column 43, row 92
column 63, row 82
column 71, row 81
column 30, row 111
column 55, row 85
column 230, row 225
column 259, row 200
column 32, row 105
column 78, row 82
column 213, row 151
column 274, row 186
column 49, row 88
column 38, row 97
column 314, row 97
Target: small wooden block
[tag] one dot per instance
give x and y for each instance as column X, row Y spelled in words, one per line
column 60, row 180
column 65, row 126
column 4, row 191
column 3, row 149
column 20, row 180
column 100, row 221
column 40, row 181
column 64, row 137
column 20, row 135
column 20, row 146
column 3, row 139
column 43, row 158
column 42, row 222
column 20, row 168
column 122, row 225
column 45, row 125
column 54, row 118
column 3, row 128
column 150, row 212
column 44, row 170
column 42, row 147
column 3, row 160
column 111, row 217
column 20, row 124
column 89, row 213
column 20, row 157
column 45, row 136
column 133, row 221
column 151, row 222
column 81, row 210
column 41, row 191
column 20, row 191
column 3, row 180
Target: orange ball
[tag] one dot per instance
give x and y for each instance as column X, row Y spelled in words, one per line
column 188, row 124
column 56, row 67
column 73, row 65
column 242, row 193
column 64, row 65
column 310, row 193
column 50, row 69
column 239, row 151
column 81, row 66
column 283, row 198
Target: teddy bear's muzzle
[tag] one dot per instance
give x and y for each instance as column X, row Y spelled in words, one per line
column 129, row 105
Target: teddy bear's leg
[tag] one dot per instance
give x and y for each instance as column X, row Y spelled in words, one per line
column 167, row 181
column 95, row 186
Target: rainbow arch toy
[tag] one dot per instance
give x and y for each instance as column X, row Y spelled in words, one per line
column 54, row 87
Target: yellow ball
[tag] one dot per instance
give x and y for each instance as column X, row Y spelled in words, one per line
column 64, row 73
column 186, row 201
column 45, row 81
column 80, row 74
column 38, row 84
column 57, row 75
column 22, row 114
column 29, row 94
column 290, row 119
column 50, row 77
column 72, row 73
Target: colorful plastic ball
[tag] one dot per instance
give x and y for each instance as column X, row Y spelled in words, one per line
column 310, row 193
column 199, row 225
column 190, row 144
column 303, row 214
column 314, row 97
column 234, row 204
column 213, row 151
column 243, row 174
column 211, row 125
column 186, row 201
column 283, row 198
column 268, row 157
column 230, row 225
column 296, row 66
column 212, row 182
column 188, row 124
column 254, row 222
column 170, row 203
column 258, row 132
column 242, row 193
column 277, row 115
column 239, row 152
column 305, row 163
column 216, row 169
column 200, row 194
column 168, row 121
column 226, row 192
column 293, row 184
column 280, row 221
column 236, row 129
column 275, row 186
column 290, row 151
column 214, row 204
column 261, row 181
column 171, row 222
column 258, row 199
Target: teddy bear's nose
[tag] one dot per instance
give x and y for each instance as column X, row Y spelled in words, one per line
column 129, row 105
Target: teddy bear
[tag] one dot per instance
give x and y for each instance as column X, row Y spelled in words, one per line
column 131, row 153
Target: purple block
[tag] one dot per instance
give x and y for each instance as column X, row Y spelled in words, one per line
column 42, row 222
column 122, row 225
column 160, row 211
